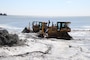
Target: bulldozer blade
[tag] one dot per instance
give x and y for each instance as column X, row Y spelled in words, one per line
column 64, row 35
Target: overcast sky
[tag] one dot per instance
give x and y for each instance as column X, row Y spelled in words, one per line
column 46, row 7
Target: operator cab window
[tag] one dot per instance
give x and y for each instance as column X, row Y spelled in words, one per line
column 58, row 26
column 40, row 25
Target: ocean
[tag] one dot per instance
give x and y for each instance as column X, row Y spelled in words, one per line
column 19, row 22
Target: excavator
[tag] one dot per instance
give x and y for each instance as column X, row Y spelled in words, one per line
column 59, row 31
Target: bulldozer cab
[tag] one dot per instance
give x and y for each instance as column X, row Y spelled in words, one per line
column 40, row 25
column 37, row 26
column 43, row 28
column 63, row 26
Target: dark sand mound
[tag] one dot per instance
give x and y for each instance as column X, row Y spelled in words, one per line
column 7, row 39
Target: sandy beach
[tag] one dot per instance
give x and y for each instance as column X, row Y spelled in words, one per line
column 35, row 48
column 27, row 28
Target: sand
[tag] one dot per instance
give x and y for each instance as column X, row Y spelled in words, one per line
column 35, row 48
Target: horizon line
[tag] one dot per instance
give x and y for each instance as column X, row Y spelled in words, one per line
column 46, row 16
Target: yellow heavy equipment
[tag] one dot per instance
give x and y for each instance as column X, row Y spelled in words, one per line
column 56, row 31
column 37, row 26
column 60, row 30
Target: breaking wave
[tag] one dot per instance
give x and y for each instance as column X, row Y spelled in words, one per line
column 86, row 27
column 10, row 28
column 81, row 28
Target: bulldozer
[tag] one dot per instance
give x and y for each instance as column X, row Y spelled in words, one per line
column 60, row 31
column 36, row 27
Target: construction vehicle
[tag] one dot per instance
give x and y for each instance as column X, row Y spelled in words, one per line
column 37, row 26
column 56, row 31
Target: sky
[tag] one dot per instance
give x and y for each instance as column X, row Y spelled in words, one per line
column 46, row 7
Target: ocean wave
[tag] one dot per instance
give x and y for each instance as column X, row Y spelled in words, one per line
column 87, row 27
column 10, row 28
column 80, row 28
